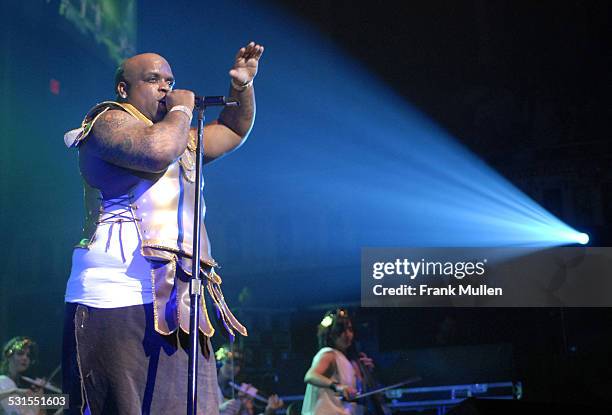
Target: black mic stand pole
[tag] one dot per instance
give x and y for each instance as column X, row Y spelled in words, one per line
column 195, row 283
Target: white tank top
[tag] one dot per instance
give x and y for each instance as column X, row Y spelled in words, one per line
column 112, row 272
column 323, row 401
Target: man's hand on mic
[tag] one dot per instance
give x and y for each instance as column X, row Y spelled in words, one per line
column 245, row 63
column 180, row 97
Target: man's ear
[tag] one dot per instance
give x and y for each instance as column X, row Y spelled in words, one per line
column 122, row 88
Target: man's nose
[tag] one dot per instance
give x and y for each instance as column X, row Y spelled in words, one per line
column 165, row 87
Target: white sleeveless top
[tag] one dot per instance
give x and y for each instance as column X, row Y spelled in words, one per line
column 112, row 272
column 323, row 401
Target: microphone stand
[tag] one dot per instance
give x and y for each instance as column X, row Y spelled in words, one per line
column 195, row 282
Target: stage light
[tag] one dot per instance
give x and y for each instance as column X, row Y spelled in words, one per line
column 583, row 238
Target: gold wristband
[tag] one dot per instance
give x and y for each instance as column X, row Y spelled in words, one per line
column 241, row 87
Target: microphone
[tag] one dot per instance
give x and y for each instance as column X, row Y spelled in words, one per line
column 216, row 101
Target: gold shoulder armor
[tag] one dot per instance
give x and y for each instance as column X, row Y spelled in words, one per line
column 74, row 138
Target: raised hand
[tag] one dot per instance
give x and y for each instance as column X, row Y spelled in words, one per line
column 246, row 63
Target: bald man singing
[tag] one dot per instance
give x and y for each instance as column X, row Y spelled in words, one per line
column 127, row 315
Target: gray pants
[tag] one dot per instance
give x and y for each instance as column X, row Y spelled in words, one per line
column 115, row 362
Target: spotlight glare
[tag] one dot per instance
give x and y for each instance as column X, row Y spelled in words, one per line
column 582, row 238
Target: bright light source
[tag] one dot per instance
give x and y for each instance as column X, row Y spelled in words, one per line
column 583, row 238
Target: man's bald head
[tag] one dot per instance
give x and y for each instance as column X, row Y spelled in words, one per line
column 144, row 81
column 134, row 65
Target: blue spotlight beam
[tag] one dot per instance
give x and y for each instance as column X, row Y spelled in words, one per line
column 345, row 162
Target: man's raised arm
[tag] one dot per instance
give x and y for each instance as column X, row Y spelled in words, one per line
column 235, row 123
